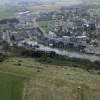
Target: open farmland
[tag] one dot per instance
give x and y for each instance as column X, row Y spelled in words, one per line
column 45, row 8
column 46, row 82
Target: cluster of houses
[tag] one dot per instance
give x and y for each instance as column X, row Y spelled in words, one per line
column 74, row 29
column 25, row 19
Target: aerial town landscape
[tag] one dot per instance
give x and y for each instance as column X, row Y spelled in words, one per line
column 73, row 29
column 50, row 50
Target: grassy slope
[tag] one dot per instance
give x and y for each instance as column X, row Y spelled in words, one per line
column 51, row 82
column 10, row 87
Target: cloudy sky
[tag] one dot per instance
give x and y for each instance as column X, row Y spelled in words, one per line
column 67, row 1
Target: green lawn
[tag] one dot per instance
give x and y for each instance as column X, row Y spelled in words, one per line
column 11, row 87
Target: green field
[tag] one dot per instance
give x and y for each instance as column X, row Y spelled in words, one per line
column 45, row 24
column 46, row 82
column 6, row 12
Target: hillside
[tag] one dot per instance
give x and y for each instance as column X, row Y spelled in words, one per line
column 48, row 82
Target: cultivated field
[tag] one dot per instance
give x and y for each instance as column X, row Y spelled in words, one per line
column 45, row 8
column 46, row 82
